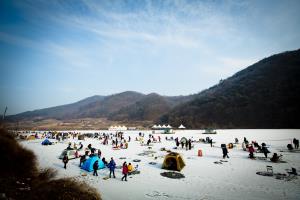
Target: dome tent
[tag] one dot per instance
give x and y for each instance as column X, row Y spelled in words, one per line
column 71, row 153
column 46, row 142
column 173, row 161
column 181, row 126
column 88, row 164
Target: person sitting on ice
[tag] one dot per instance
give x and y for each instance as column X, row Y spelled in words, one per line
column 275, row 157
column 90, row 146
column 148, row 142
column 130, row 168
column 69, row 146
column 236, row 140
column 290, row 147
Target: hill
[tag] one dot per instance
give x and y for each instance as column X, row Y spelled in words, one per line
column 125, row 106
column 95, row 106
column 149, row 108
column 264, row 95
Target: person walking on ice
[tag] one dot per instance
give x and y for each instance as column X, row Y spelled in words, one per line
column 65, row 161
column 124, row 171
column 225, row 151
column 112, row 166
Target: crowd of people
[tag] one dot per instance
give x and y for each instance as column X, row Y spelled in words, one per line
column 117, row 140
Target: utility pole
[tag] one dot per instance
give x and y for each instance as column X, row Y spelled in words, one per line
column 4, row 113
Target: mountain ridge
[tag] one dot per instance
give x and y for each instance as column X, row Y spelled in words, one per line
column 263, row 95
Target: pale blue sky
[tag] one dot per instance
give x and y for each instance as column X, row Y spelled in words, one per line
column 58, row 52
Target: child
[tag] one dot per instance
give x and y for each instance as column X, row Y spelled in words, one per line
column 95, row 167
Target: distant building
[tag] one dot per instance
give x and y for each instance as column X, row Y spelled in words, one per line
column 161, row 127
column 117, row 128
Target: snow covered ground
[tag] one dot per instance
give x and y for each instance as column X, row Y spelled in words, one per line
column 235, row 179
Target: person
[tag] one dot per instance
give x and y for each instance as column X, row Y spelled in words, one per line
column 65, row 161
column 104, row 161
column 251, row 151
column 76, row 154
column 112, row 167
column 182, row 144
column 81, row 146
column 99, row 153
column 236, row 140
column 211, row 142
column 275, row 157
column 296, row 143
column 90, row 146
column 265, row 150
column 130, row 168
column 177, row 143
column 124, row 171
column 69, row 146
column 116, row 142
column 225, row 152
column 95, row 167
column 129, row 138
column 126, row 145
column 186, row 144
column 148, row 142
column 190, row 144
column 246, row 141
column 92, row 152
column 83, row 158
column 290, row 147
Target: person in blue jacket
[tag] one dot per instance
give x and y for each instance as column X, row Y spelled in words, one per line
column 112, row 166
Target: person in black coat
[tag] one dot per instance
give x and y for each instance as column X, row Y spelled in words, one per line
column 225, row 152
column 190, row 144
column 296, row 143
column 95, row 167
column 265, row 150
column 65, row 161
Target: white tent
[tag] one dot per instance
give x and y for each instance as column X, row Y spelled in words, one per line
column 181, row 126
column 169, row 126
column 164, row 126
column 154, row 126
column 159, row 126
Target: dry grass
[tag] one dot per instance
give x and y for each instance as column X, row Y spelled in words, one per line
column 20, row 178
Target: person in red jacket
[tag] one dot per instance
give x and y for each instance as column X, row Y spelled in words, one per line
column 251, row 151
column 125, row 171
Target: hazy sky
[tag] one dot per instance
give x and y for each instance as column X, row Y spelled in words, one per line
column 58, row 52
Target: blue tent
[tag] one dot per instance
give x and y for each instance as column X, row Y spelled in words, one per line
column 88, row 164
column 46, row 142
